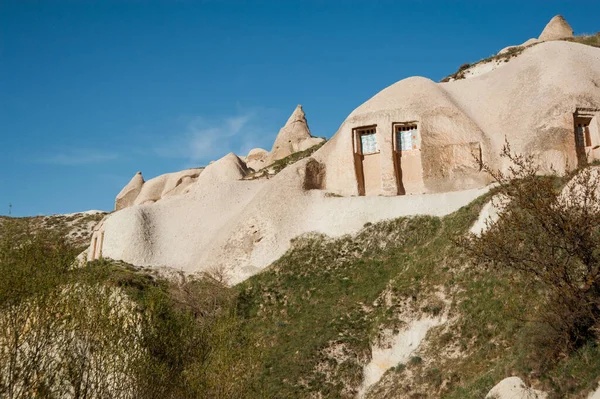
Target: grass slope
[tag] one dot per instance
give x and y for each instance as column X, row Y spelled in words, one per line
column 76, row 228
column 279, row 165
column 323, row 303
column 588, row 40
column 304, row 327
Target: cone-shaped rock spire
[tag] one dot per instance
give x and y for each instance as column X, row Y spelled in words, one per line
column 557, row 28
column 130, row 192
column 294, row 136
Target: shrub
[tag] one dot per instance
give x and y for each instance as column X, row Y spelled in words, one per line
column 111, row 330
column 60, row 337
column 550, row 235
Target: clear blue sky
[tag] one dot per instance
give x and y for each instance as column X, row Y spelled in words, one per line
column 93, row 91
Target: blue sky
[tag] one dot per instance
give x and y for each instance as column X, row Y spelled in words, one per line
column 93, row 91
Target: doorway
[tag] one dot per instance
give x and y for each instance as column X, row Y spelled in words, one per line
column 404, row 143
column 583, row 140
column 367, row 162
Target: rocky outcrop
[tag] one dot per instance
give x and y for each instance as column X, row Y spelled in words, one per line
column 558, row 28
column 595, row 394
column 293, row 137
column 257, row 158
column 130, row 192
column 230, row 167
column 514, row 388
column 138, row 192
column 244, row 225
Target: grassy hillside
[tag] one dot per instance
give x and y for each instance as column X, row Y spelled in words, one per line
column 304, row 327
column 322, row 304
column 110, row 329
column 76, row 228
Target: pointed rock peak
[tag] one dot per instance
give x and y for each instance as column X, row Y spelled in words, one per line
column 231, row 157
column 557, row 28
column 136, row 179
column 129, row 193
column 257, row 152
column 297, row 116
column 293, row 137
column 295, row 129
column 230, row 167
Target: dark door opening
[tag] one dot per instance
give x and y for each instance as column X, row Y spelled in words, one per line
column 583, row 140
column 404, row 138
column 366, row 159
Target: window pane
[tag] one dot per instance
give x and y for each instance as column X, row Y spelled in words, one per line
column 369, row 143
column 406, row 139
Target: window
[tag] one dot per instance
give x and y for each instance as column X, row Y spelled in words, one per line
column 368, row 141
column 406, row 137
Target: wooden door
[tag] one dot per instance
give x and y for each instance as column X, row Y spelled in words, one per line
column 359, row 154
column 582, row 138
column 404, row 140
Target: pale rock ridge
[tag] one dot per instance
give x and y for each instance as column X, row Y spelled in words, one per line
column 257, row 158
column 167, row 185
column 130, row 192
column 138, row 192
column 244, row 225
column 558, row 28
column 228, row 168
column 514, row 388
column 398, row 350
column 293, row 137
column 595, row 394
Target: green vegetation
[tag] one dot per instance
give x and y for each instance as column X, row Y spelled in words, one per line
column 319, row 298
column 77, row 228
column 111, row 330
column 281, row 164
column 589, row 40
column 322, row 304
column 504, row 57
column 521, row 300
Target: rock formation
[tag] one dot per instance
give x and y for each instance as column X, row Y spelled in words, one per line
column 138, row 192
column 198, row 219
column 558, row 28
column 530, row 102
column 130, row 192
column 514, row 388
column 230, row 167
column 293, row 137
column 257, row 158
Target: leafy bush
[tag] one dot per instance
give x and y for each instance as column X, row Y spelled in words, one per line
column 60, row 337
column 550, row 235
column 111, row 330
